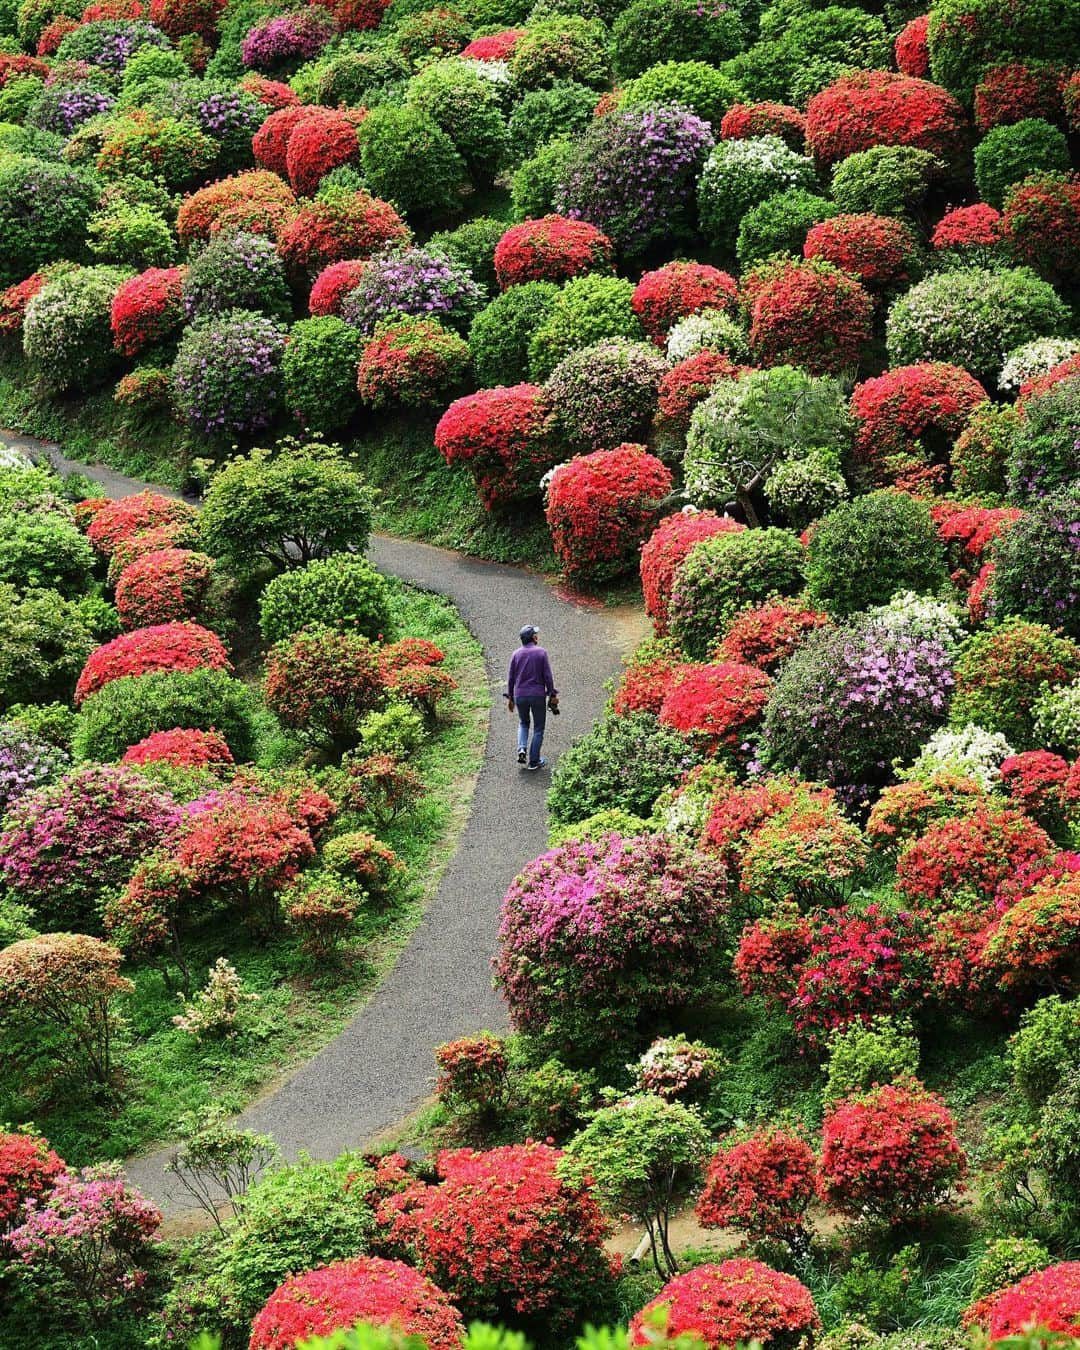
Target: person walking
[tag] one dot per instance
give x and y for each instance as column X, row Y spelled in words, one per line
column 530, row 690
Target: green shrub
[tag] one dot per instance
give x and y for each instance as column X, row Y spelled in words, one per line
column 613, row 820
column 886, row 180
column 1044, row 1048
column 1042, row 449
column 319, row 369
column 466, row 107
column 724, row 574
column 968, row 37
column 585, row 310
column 67, row 331
column 1057, row 721
column 623, row 763
column 1005, row 1261
column 340, row 591
column 285, row 507
column 779, row 225
column 237, row 271
column 982, row 450
column 802, row 490
column 44, row 550
column 397, row 729
column 802, row 49
column 410, row 161
column 1057, row 1155
column 883, row 1296
column 1002, row 672
column 44, row 643
column 868, row 549
column 533, row 188
column 739, row 175
column 134, row 235
column 132, row 707
column 52, row 722
column 354, row 78
column 696, row 85
column 868, row 1055
column 1008, row 153
column 153, row 63
column 648, row 31
column 501, row 333
column 562, row 47
column 472, row 245
column 562, row 110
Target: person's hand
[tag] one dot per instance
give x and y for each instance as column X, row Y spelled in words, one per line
column 509, row 705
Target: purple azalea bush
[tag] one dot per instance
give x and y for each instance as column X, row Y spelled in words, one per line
column 236, row 271
column 633, row 175
column 1037, row 565
column 416, row 281
column 26, row 762
column 606, row 394
column 62, row 108
column 110, row 43
column 285, row 39
column 226, row 378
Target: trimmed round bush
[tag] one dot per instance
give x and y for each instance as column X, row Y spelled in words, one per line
column 552, row 249
column 1001, row 673
column 1042, row 450
column 761, row 1183
column 1008, row 154
column 866, row 550
column 648, row 31
column 159, row 648
column 779, row 224
column 1037, row 565
column 502, row 436
column 340, row 591
column 129, row 709
column 67, row 332
column 743, row 120
column 586, row 310
column 716, row 705
column 878, row 251
column 696, row 85
column 338, row 224
column 801, row 52
column 878, row 107
column 412, row 281
column 1042, row 225
column 318, row 144
column 500, row 335
column 147, row 309
column 322, row 682
column 966, row 37
column 738, row 175
column 44, row 550
column 606, row 394
column 332, row 285
column 809, row 314
column 236, row 271
column 411, row 361
column 226, row 378
column 561, row 47
column 886, row 180
column 168, row 585
column 467, row 107
column 678, row 289
column 724, row 574
column 1047, row 1298
column 563, row 110
column 319, row 371
column 408, row 159
column 972, row 318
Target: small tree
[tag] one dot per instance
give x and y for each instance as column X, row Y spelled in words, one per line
column 644, row 1155
column 216, row 1163
column 68, row 980
column 285, row 507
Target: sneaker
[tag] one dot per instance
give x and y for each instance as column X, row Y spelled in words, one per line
column 534, row 767
column 522, row 756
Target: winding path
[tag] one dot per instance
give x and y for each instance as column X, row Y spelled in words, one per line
column 380, row 1067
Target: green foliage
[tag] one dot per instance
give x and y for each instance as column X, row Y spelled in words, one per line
column 53, row 722
column 585, row 310
column 319, row 369
column 130, row 708
column 738, row 175
column 397, row 729
column 66, row 332
column 501, row 333
column 1058, row 1156
column 1036, row 566
column 55, row 227
column 596, row 826
column 562, row 110
column 536, row 180
column 134, row 235
column 466, row 107
column 868, row 1055
column 44, row 551
column 44, row 643
column 408, row 159
column 1001, row 673
column 868, row 549
column 1045, row 1047
column 285, row 507
column 648, row 31
column 1005, row 1261
column 1008, row 153
column 342, row 590
column 779, row 225
column 236, row 271
column 472, row 245
column 883, row 1296
column 623, row 762
column 802, row 49
column 696, row 85
column 886, row 180
column 562, row 47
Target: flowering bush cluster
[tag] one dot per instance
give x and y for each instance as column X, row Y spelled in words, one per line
column 160, row 647
column 503, row 437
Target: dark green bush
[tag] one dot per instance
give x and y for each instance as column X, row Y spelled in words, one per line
column 536, row 180
column 44, row 643
column 501, row 333
column 561, row 110
column 648, row 31
column 1008, row 153
column 1042, row 449
column 466, row 107
column 562, row 47
column 696, row 85
column 779, row 225
column 886, row 180
column 1044, row 1048
column 237, row 271
column 472, row 245
column 1037, row 565
column 341, row 591
column 319, row 368
column 409, row 160
column 44, row 550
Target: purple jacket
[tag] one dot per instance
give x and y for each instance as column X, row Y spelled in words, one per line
column 530, row 674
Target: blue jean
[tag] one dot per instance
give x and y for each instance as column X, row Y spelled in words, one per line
column 534, row 709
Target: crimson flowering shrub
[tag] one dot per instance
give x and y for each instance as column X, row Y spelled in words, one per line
column 271, row 93
column 600, row 507
column 891, row 1153
column 65, row 846
column 677, row 289
column 161, row 647
column 729, row 1304
column 270, row 144
column 766, row 635
column 553, row 248
column 1034, row 780
column 493, row 47
column 356, row 15
column 1041, row 222
column 411, row 361
column 319, row 143
column 960, row 862
column 715, row 706
column 737, row 811
column 257, row 201
column 339, row 224
column 595, row 934
column 128, row 516
column 1048, row 1299
column 912, row 50
column 176, row 534
column 332, row 285
column 744, row 121
column 881, row 252
column 321, row 682
column 185, row 748
column 666, row 548
column 688, row 383
column 877, row 107
column 506, row 1236
column 28, row 1169
column 810, row 314
column 907, row 810
column 165, row 587
column 147, row 309
column 365, row 1289
column 502, row 436
column 1035, row 943
column 761, row 1183
column 648, row 680
column 179, row 18
column 14, row 299
column 972, row 231
column 1015, row 92
column 907, row 419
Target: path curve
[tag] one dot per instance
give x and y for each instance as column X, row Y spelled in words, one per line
column 380, row 1067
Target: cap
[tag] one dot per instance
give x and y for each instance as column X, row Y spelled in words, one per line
column 529, row 632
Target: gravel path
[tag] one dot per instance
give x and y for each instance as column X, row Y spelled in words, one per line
column 380, row 1068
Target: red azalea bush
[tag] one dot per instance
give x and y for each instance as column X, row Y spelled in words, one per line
column 601, row 506
column 162, row 647
column 744, row 121
column 506, row 1236
column 877, row 107
column 364, row 1289
column 1071, row 98
column 339, row 225
column 906, row 810
column 270, row 144
column 257, row 201
column 1034, row 779
column 677, row 289
column 551, row 249
column 1036, row 943
column 333, row 284
column 1041, row 221
column 967, row 227
column 968, row 531
column 163, row 587
column 879, row 251
column 647, row 681
column 1011, row 93
column 980, row 594
column 494, row 47
column 770, row 952
column 355, row 15
column 16, row 66
column 812, row 315
column 912, row 49
column 891, row 1153
column 321, row 682
column 411, row 361
column 907, row 419
column 132, row 515
column 28, row 1167
column 318, row 143
column 716, row 705
column 14, row 299
column 1048, row 1299
column 271, row 93
column 736, row 812
column 182, row 747
column 962, row 861
column 147, row 309
column 503, row 437
column 176, row 534
column 179, row 18
column 762, row 1184
column 766, row 635
column 667, row 547
column 730, row 1304
column 689, row 383
column 53, row 34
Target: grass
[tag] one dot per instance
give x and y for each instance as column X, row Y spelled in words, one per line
column 300, row 1008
